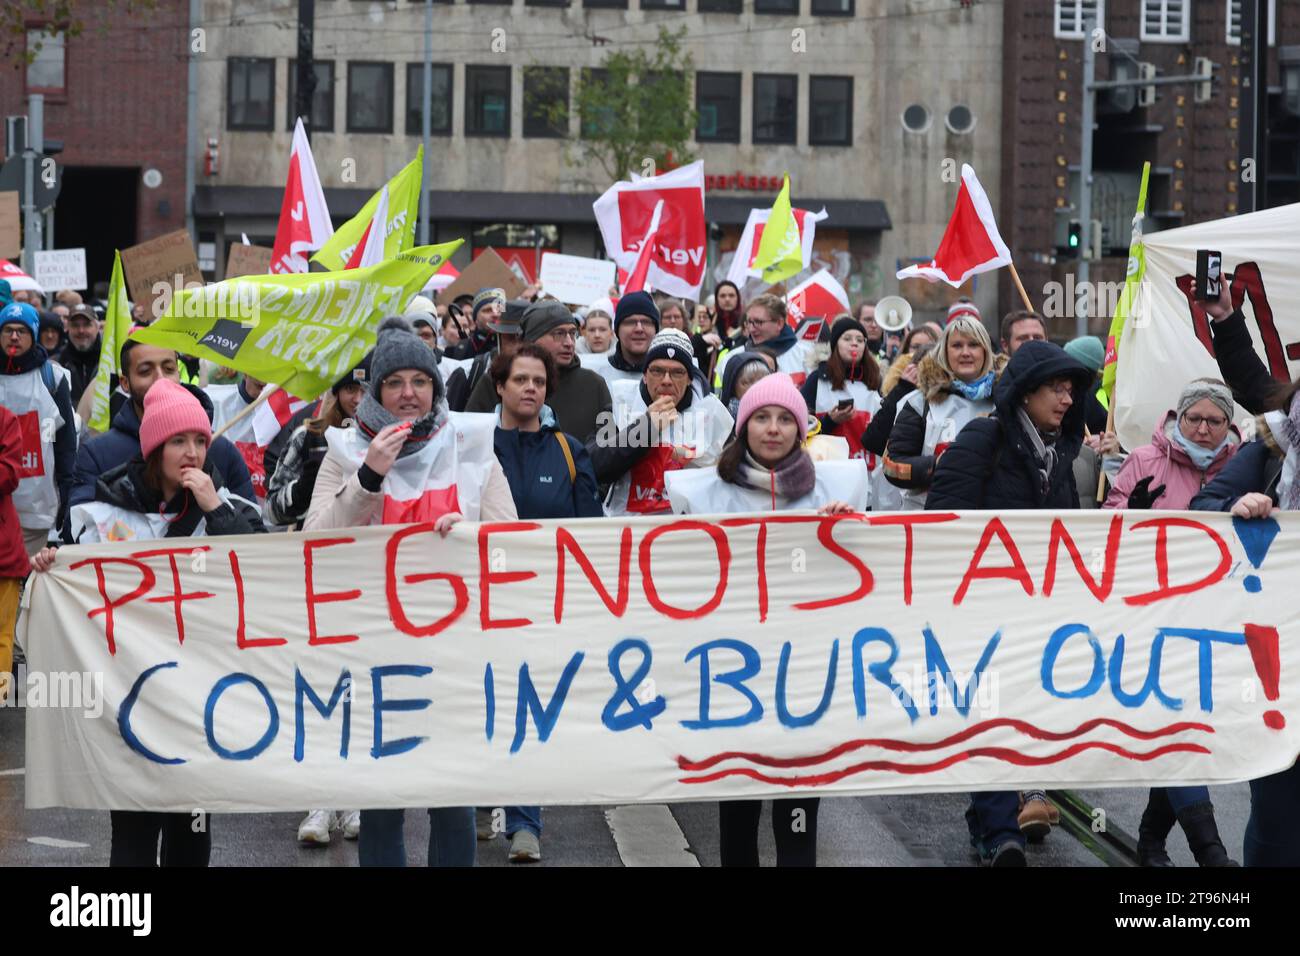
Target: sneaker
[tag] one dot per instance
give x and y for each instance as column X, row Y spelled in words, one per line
column 315, row 828
column 1035, row 818
column 525, row 847
column 351, row 824
column 483, row 824
column 1008, row 854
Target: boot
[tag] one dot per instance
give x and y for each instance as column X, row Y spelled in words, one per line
column 1203, row 835
column 1157, row 820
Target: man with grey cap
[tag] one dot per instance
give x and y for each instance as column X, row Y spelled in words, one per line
column 504, row 328
column 488, row 308
column 580, row 395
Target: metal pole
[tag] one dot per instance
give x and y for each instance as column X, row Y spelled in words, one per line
column 192, row 123
column 426, row 122
column 35, row 147
column 1082, row 273
column 306, row 91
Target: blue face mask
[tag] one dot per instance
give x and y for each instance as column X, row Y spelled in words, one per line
column 1201, row 457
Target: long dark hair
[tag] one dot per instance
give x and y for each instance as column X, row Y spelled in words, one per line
column 866, row 370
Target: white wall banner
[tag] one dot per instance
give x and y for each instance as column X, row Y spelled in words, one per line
column 668, row 659
column 1166, row 342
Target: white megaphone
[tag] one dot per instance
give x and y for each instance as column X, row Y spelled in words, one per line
column 893, row 313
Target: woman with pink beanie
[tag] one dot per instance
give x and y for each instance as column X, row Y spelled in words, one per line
column 765, row 468
column 170, row 490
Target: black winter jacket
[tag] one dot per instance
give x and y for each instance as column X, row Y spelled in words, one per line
column 1240, row 364
column 991, row 465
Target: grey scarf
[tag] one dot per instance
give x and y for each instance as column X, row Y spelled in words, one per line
column 372, row 418
column 1044, row 449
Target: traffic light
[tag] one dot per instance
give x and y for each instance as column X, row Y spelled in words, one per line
column 1205, row 87
column 1146, row 94
column 1075, row 234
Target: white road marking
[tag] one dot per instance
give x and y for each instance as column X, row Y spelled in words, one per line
column 17, row 772
column 56, row 842
column 647, row 835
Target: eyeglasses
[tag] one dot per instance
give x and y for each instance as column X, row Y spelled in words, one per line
column 395, row 384
column 640, row 323
column 1215, row 421
column 1062, row 390
column 676, row 374
column 754, row 323
column 563, row 334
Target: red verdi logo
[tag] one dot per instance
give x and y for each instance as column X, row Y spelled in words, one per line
column 679, row 248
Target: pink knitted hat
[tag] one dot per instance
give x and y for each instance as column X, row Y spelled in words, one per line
column 169, row 410
column 775, row 389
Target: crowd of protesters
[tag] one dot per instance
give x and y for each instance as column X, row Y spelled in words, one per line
column 636, row 404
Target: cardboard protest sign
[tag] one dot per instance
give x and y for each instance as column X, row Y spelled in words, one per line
column 488, row 271
column 247, row 260
column 11, row 228
column 303, row 331
column 644, row 660
column 576, row 280
column 160, row 260
column 61, row 269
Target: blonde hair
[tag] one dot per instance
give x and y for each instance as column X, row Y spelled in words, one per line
column 972, row 329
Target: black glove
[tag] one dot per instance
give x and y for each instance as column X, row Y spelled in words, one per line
column 1143, row 496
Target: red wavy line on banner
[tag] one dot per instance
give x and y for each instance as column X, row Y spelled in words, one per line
column 1026, row 728
column 998, row 753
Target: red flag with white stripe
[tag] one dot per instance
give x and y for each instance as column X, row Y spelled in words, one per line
column 636, row 281
column 971, row 244
column 304, row 218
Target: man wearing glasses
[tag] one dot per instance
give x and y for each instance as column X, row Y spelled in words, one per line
column 766, row 325
column 580, row 395
column 660, row 423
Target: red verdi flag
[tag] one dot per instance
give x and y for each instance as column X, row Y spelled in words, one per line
column 624, row 213
column 304, row 219
column 971, row 243
column 636, row 281
column 819, row 295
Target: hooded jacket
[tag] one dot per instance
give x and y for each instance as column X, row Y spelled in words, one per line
column 126, row 494
column 84, row 366
column 1165, row 462
column 121, row 443
column 538, row 472
column 13, row 552
column 991, row 465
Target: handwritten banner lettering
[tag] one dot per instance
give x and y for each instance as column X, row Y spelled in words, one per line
column 665, row 659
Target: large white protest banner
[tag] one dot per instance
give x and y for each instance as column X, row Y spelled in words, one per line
column 576, row 280
column 61, row 269
column 1167, row 341
column 666, row 659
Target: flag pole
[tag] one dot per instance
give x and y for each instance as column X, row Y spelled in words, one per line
column 1020, row 287
column 269, row 389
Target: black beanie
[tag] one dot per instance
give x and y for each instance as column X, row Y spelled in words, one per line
column 360, row 375
column 636, row 303
column 846, row 324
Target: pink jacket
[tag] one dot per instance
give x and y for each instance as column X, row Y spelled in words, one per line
column 1168, row 465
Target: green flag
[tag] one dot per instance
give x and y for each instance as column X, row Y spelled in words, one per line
column 1137, row 267
column 780, row 252
column 117, row 326
column 403, row 211
column 304, row 331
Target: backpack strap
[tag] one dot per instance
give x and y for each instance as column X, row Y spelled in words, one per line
column 47, row 376
column 568, row 456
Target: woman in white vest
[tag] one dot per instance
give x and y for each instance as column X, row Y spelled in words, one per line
column 660, row 424
column 765, row 468
column 170, row 490
column 954, row 384
column 409, row 459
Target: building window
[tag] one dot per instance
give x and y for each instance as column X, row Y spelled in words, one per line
column 1166, row 21
column 546, row 3
column 600, row 121
column 322, row 100
column 663, row 4
column 832, row 8
column 960, row 120
column 776, row 106
column 720, row 6
column 1234, row 22
column 717, row 99
column 830, row 110
column 916, row 118
column 439, row 102
column 370, row 97
column 782, row 7
column 46, row 73
column 605, row 4
column 487, row 101
column 546, row 101
column 250, row 93
column 1073, row 15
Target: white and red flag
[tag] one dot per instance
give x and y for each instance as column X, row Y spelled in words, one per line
column 636, row 281
column 370, row 250
column 677, row 256
column 304, row 218
column 818, row 296
column 971, row 244
column 742, row 266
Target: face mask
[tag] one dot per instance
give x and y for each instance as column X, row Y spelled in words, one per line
column 1201, row 457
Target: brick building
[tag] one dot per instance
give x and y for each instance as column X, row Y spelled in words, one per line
column 1193, row 148
column 116, row 98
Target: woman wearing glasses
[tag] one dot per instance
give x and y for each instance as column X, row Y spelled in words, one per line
column 1191, row 444
column 1021, row 456
column 407, row 460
